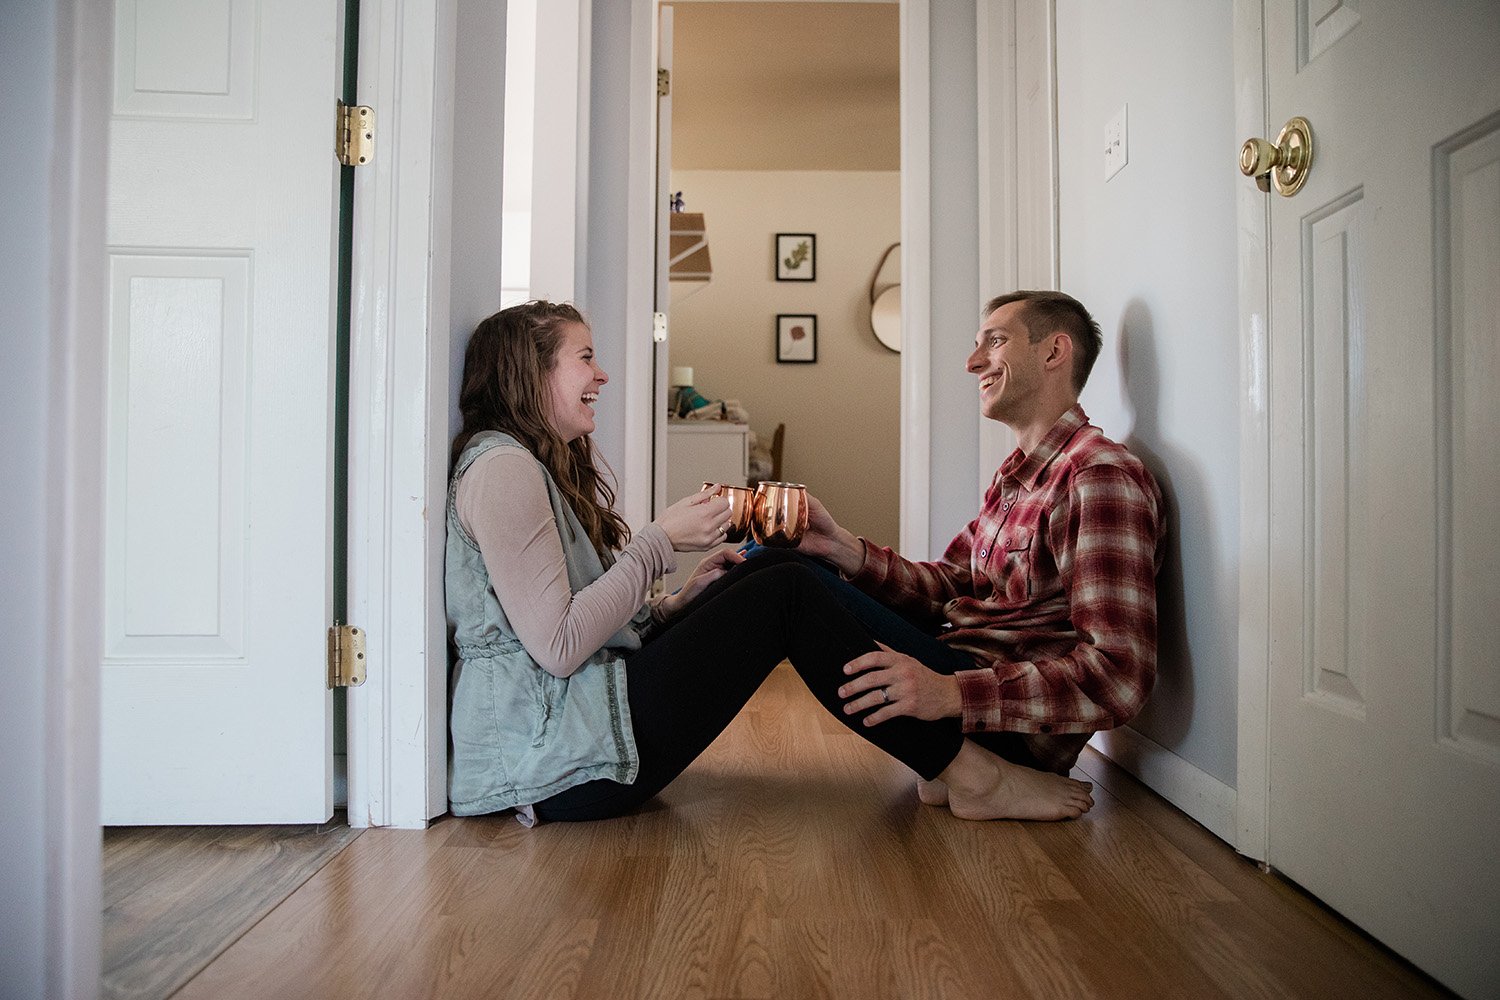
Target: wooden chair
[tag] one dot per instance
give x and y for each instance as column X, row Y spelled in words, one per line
column 777, row 440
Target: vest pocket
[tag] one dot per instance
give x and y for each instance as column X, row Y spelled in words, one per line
column 548, row 694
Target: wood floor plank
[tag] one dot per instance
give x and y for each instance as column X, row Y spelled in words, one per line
column 176, row 897
column 367, row 906
column 793, row 861
column 1326, row 956
column 989, row 885
column 1140, row 961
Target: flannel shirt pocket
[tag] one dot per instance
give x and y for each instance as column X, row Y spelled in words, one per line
column 1015, row 571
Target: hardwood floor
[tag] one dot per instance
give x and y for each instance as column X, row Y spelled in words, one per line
column 175, row 897
column 794, row 861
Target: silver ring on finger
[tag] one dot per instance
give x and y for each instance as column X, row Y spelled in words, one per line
column 885, row 696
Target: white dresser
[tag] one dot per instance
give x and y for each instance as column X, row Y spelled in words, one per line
column 698, row 452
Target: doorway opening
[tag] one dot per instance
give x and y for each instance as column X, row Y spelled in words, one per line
column 779, row 142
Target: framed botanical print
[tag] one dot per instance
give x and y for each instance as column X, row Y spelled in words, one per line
column 796, row 257
column 797, row 338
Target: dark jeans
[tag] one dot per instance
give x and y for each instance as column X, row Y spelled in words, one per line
column 693, row 675
column 904, row 636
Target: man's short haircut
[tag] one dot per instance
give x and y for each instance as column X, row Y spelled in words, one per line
column 1048, row 312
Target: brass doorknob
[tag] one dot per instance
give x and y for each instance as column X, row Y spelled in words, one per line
column 1284, row 163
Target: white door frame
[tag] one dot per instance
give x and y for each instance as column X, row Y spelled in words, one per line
column 71, row 924
column 916, row 277
column 398, row 415
column 642, row 436
column 1018, row 206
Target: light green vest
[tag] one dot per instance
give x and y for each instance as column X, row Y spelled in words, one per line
column 520, row 734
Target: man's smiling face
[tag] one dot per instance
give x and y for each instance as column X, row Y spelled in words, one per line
column 1007, row 364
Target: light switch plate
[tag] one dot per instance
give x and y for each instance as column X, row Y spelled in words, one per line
column 1116, row 144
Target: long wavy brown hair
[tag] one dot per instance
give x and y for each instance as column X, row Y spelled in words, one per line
column 506, row 366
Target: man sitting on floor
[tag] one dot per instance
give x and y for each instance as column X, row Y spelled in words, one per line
column 1044, row 606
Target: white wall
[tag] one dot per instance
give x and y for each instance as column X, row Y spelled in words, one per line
column 1152, row 254
column 725, row 329
column 26, row 61
column 478, row 148
column 54, row 94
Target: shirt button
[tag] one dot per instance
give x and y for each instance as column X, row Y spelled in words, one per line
column 1005, row 505
column 983, row 553
column 1046, row 729
column 979, row 724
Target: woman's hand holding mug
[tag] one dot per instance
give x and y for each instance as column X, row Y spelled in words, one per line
column 696, row 523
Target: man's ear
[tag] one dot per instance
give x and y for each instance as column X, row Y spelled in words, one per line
column 1059, row 352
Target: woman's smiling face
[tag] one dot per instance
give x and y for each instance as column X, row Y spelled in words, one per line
column 573, row 384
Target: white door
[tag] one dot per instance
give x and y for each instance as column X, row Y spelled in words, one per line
column 222, row 217
column 1385, row 413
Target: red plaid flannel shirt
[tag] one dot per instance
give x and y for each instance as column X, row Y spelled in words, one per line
column 1052, row 590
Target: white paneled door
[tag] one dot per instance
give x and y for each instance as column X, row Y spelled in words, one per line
column 222, row 224
column 1385, row 529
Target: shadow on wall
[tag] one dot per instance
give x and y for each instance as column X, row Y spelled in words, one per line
column 1169, row 711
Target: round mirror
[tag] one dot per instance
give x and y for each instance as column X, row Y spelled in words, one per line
column 885, row 317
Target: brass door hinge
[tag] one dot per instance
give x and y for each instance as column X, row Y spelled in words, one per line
column 663, row 82
column 346, row 656
column 354, row 134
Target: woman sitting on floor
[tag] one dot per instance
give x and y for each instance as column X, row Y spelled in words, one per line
column 574, row 698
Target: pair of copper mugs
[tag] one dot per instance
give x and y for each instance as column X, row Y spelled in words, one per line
column 775, row 513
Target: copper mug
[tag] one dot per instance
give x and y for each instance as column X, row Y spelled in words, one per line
column 741, row 503
column 781, row 512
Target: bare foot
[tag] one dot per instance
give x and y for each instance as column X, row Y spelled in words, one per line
column 932, row 793
column 984, row 786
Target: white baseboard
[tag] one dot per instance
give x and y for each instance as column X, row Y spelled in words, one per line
column 1191, row 789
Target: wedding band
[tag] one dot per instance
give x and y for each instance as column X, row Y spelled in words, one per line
column 884, row 696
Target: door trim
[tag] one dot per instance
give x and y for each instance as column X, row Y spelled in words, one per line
column 916, row 278
column 398, row 415
column 637, row 499
column 72, row 922
column 1018, row 203
column 1252, row 217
